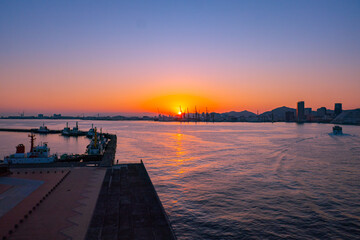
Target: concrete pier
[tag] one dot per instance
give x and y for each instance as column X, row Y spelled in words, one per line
column 128, row 207
column 109, row 155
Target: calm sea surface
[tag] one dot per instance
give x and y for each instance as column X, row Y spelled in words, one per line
column 236, row 180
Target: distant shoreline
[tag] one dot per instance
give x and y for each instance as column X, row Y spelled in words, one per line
column 281, row 114
column 152, row 119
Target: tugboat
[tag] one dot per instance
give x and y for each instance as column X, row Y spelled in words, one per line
column 38, row 154
column 66, row 130
column 337, row 130
column 75, row 130
column 43, row 129
column 72, row 132
column 91, row 132
column 96, row 146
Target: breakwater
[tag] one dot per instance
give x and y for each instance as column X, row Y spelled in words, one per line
column 33, row 130
column 36, row 130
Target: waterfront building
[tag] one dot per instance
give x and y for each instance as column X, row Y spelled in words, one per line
column 289, row 116
column 321, row 112
column 308, row 114
column 308, row 111
column 300, row 111
column 338, row 108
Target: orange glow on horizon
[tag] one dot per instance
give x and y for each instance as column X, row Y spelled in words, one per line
column 170, row 104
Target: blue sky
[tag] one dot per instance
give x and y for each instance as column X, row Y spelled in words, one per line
column 219, row 44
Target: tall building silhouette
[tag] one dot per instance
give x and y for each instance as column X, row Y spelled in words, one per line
column 300, row 111
column 338, row 108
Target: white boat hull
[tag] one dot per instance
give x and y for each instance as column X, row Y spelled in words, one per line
column 28, row 160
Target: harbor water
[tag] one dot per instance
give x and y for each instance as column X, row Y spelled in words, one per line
column 234, row 180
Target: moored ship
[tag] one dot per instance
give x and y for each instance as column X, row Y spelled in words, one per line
column 66, row 130
column 91, row 132
column 72, row 132
column 43, row 129
column 37, row 154
column 97, row 144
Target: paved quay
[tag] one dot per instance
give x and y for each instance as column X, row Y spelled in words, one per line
column 128, row 207
column 81, row 200
column 119, row 202
column 17, row 190
column 63, row 213
column 28, row 188
column 66, row 212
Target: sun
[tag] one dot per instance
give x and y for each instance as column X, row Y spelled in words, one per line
column 178, row 104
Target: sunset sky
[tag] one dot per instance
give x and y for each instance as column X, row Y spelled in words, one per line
column 140, row 56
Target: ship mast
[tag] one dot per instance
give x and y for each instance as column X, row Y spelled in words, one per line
column 32, row 140
column 95, row 138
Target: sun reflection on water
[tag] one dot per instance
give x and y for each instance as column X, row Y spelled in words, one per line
column 181, row 156
column 179, row 145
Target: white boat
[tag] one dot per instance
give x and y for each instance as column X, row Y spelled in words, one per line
column 43, row 129
column 66, row 130
column 37, row 154
column 75, row 130
column 96, row 146
column 72, row 132
column 91, row 132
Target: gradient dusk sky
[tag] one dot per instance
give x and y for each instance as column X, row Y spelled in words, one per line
column 138, row 56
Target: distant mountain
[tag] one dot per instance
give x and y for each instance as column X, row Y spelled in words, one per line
column 118, row 117
column 348, row 117
column 277, row 114
column 245, row 114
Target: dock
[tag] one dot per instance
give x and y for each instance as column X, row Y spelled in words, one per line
column 109, row 156
column 106, row 160
column 128, row 207
column 82, row 200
